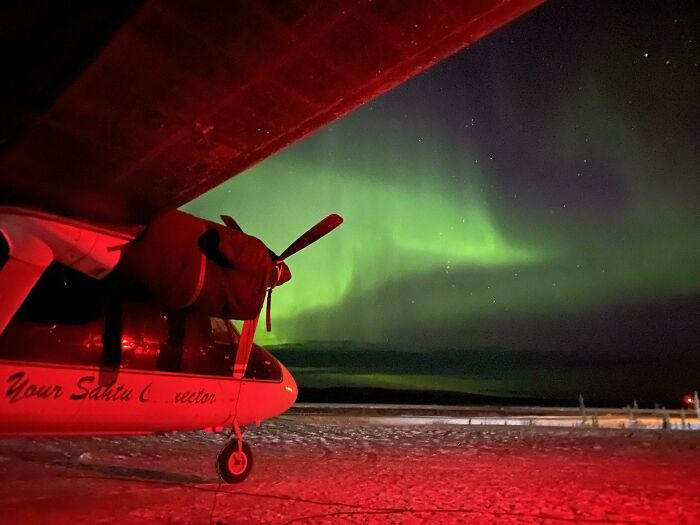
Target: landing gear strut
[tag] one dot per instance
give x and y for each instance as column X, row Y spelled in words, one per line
column 235, row 460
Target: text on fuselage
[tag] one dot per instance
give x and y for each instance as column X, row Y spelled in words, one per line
column 21, row 387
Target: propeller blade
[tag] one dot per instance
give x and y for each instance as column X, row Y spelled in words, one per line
column 230, row 222
column 325, row 226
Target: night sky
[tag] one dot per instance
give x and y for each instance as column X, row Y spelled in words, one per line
column 536, row 196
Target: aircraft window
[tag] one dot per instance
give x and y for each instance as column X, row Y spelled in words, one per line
column 220, row 331
column 234, row 332
column 64, row 344
column 262, row 366
column 210, row 347
column 142, row 333
column 144, row 337
column 149, row 340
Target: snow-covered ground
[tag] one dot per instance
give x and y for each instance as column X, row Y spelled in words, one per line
column 620, row 418
column 354, row 470
column 610, row 421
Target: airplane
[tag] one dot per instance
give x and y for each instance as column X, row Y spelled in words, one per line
column 116, row 308
column 87, row 357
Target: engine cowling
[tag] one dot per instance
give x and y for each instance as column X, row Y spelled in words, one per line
column 182, row 261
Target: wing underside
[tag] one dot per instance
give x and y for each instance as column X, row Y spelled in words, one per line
column 184, row 95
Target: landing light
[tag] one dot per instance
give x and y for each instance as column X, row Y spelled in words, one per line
column 688, row 399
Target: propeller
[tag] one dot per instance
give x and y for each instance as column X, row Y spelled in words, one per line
column 230, row 222
column 322, row 228
column 209, row 242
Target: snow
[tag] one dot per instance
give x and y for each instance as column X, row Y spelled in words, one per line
column 360, row 470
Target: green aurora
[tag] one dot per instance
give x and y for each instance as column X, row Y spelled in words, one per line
column 431, row 216
column 536, row 194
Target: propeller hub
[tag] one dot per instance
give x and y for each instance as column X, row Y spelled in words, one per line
column 209, row 244
column 284, row 274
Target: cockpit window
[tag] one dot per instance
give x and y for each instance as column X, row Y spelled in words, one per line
column 209, row 347
column 262, row 366
column 56, row 327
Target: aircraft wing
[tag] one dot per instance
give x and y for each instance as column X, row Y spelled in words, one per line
column 127, row 110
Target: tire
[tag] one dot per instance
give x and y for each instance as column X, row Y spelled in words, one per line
column 232, row 468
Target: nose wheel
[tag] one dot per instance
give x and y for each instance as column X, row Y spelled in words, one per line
column 234, row 461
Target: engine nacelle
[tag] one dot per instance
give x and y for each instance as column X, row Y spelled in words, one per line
column 182, row 261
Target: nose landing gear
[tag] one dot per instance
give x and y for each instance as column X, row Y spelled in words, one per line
column 234, row 462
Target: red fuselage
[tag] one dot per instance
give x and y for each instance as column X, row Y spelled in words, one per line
column 175, row 373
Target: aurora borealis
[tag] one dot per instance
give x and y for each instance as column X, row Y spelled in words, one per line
column 539, row 191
